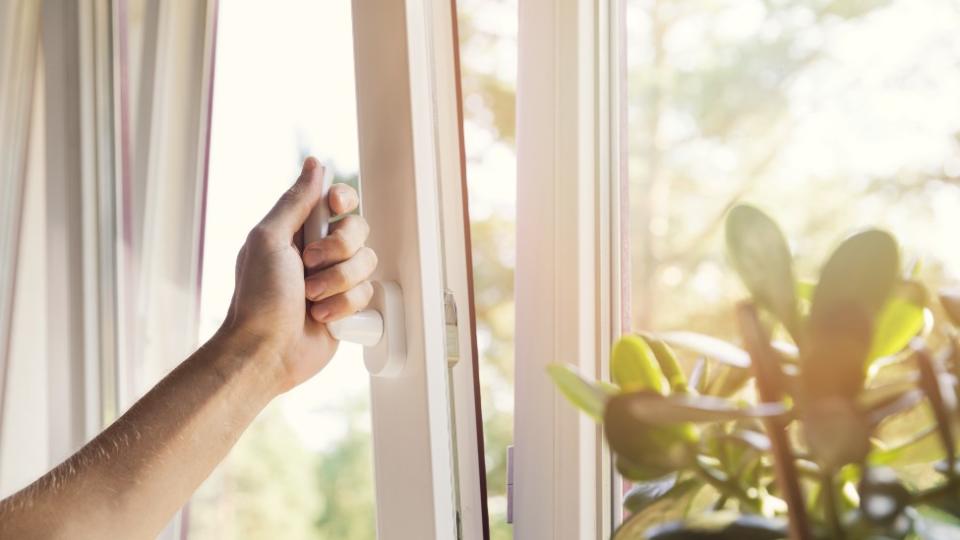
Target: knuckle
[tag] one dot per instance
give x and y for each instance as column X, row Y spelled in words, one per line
column 366, row 293
column 260, row 235
column 342, row 275
column 358, row 226
column 339, row 243
column 360, row 296
column 371, row 257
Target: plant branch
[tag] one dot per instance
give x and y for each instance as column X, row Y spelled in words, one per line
column 829, row 490
column 766, row 369
column 727, row 487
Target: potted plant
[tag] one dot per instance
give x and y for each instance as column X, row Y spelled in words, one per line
column 835, row 416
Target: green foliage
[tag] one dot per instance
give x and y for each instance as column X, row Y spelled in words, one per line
column 588, row 396
column 819, row 445
column 634, row 366
column 760, row 255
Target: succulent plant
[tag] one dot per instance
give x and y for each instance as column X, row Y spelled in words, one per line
column 833, row 417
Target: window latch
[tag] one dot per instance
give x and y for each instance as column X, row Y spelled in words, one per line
column 380, row 329
column 510, row 476
column 451, row 327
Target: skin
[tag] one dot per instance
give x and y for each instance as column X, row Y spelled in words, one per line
column 131, row 479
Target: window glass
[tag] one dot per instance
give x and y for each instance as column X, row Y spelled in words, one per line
column 284, row 88
column 488, row 49
column 828, row 114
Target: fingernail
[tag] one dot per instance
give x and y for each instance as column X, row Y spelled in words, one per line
column 309, row 164
column 345, row 198
column 341, row 199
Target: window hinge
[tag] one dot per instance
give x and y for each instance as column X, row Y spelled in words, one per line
column 452, row 329
column 510, row 497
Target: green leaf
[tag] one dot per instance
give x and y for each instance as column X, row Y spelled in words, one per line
column 710, row 347
column 933, row 524
column 698, row 376
column 922, row 447
column 643, row 494
column 748, row 438
column 877, row 396
column 670, row 507
column 836, row 430
column 901, row 319
column 587, row 396
column 633, row 366
column 727, row 381
column 668, row 362
column 805, row 289
column 761, row 257
column 646, row 472
column 645, row 449
column 883, row 410
column 655, row 409
column 724, row 525
column 854, row 285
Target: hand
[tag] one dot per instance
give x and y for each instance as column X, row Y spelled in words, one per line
column 274, row 305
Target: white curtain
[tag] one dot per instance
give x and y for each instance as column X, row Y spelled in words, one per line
column 19, row 39
column 166, row 55
column 110, row 248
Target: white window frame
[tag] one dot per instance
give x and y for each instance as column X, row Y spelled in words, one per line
column 428, row 474
column 569, row 268
column 426, row 436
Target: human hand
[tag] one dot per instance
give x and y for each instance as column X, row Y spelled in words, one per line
column 274, row 304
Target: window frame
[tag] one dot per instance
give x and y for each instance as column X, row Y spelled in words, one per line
column 570, row 264
column 428, row 469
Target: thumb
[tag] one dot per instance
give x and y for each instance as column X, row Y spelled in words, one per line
column 287, row 216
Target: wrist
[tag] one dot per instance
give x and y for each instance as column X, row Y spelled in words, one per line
column 245, row 355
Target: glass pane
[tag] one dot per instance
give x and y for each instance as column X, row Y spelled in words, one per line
column 488, row 48
column 829, row 114
column 284, row 87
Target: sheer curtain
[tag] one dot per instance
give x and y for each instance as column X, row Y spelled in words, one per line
column 19, row 53
column 19, row 37
column 103, row 229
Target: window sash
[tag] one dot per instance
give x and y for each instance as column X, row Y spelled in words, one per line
column 569, row 274
column 427, row 467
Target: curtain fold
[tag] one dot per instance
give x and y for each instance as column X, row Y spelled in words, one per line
column 116, row 210
column 166, row 70
column 19, row 39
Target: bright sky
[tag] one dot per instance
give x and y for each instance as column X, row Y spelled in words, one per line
column 283, row 83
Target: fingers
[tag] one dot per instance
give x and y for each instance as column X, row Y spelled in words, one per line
column 343, row 304
column 341, row 277
column 288, row 215
column 342, row 199
column 346, row 239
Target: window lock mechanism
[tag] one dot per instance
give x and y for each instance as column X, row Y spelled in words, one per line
column 380, row 328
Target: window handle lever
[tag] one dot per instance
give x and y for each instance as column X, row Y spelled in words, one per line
column 380, row 327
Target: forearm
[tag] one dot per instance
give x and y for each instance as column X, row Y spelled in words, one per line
column 130, row 480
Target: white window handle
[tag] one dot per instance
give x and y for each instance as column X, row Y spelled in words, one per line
column 380, row 328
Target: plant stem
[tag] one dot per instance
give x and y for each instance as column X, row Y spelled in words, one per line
column 765, row 365
column 829, row 490
column 726, row 487
column 935, row 494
